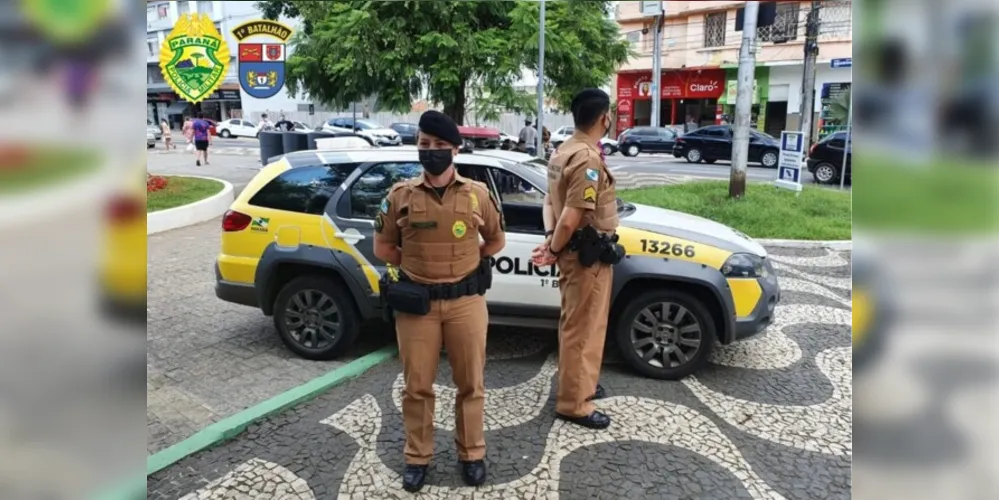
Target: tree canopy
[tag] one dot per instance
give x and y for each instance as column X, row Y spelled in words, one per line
column 394, row 51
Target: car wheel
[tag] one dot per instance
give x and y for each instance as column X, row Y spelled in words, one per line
column 315, row 319
column 769, row 159
column 225, row 134
column 824, row 173
column 632, row 150
column 711, row 161
column 665, row 334
column 607, row 149
column 694, row 155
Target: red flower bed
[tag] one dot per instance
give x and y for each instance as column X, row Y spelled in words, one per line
column 155, row 183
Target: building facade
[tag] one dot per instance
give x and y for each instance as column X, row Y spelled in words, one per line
column 700, row 54
column 229, row 101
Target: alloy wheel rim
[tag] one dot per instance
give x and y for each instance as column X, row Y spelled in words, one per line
column 695, row 155
column 312, row 319
column 772, row 159
column 666, row 335
column 633, row 150
column 824, row 173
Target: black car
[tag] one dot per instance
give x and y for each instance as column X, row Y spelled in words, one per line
column 646, row 140
column 407, row 131
column 712, row 143
column 825, row 159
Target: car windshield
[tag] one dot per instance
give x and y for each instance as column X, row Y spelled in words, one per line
column 367, row 125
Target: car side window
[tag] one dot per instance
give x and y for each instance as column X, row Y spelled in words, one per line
column 303, row 190
column 236, row 122
column 370, row 188
column 713, row 132
column 513, row 189
column 249, row 124
column 837, row 143
column 666, row 133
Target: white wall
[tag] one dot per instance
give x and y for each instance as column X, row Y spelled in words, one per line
column 791, row 76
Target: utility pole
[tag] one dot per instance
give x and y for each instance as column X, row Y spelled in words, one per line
column 808, row 76
column 541, row 83
column 657, row 69
column 744, row 102
column 848, row 146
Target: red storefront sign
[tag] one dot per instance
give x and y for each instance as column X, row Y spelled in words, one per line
column 692, row 84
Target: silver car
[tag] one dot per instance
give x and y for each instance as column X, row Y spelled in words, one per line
column 154, row 129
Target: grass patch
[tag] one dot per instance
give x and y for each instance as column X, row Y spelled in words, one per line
column 25, row 169
column 765, row 211
column 942, row 197
column 181, row 191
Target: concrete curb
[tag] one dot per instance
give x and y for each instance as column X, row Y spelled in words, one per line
column 844, row 245
column 193, row 213
column 230, row 427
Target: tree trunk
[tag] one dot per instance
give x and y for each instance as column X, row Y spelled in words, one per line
column 456, row 108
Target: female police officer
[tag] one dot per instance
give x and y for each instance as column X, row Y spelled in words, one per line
column 430, row 227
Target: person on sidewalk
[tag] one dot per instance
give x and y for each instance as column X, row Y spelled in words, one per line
column 582, row 194
column 202, row 139
column 188, row 131
column 265, row 124
column 529, row 136
column 428, row 228
column 167, row 139
column 284, row 124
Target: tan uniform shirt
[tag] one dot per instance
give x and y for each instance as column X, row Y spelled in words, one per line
column 439, row 235
column 579, row 178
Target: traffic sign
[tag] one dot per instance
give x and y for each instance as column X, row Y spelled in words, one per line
column 841, row 63
column 792, row 152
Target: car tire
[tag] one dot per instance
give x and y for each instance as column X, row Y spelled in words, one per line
column 632, row 150
column 825, row 173
column 694, row 155
column 294, row 297
column 225, row 134
column 607, row 149
column 650, row 303
column 769, row 158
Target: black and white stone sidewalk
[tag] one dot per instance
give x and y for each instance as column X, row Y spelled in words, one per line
column 770, row 418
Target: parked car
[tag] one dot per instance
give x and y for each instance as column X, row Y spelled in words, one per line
column 479, row 137
column 646, row 140
column 236, row 127
column 714, row 142
column 374, row 132
column 407, row 131
column 150, row 140
column 607, row 145
column 304, row 127
column 154, row 129
column 825, row 159
column 301, row 234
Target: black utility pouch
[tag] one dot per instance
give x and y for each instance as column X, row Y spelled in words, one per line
column 408, row 297
column 485, row 277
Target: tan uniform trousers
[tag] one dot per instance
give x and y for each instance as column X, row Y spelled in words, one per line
column 582, row 330
column 460, row 326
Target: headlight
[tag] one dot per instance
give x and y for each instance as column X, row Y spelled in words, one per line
column 744, row 265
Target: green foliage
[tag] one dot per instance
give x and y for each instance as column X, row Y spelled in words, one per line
column 464, row 54
column 839, row 108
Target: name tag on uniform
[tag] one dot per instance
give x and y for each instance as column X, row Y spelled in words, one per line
column 430, row 224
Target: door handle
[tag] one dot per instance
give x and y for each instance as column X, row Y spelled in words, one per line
column 351, row 236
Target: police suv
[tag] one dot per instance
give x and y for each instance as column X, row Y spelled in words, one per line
column 297, row 243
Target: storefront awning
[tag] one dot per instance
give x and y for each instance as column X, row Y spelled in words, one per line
column 177, row 107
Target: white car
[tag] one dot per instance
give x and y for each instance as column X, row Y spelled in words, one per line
column 150, row 140
column 378, row 134
column 608, row 145
column 236, row 127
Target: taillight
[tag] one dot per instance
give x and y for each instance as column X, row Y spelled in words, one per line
column 679, row 140
column 811, row 150
column 122, row 208
column 235, row 221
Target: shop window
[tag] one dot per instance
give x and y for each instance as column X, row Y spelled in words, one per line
column 714, row 29
column 162, row 11
column 153, row 44
column 634, row 37
column 785, row 26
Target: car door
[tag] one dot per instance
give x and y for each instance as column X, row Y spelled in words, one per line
column 517, row 282
column 665, row 140
column 248, row 129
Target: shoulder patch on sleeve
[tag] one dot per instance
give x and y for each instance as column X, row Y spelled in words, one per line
column 592, row 174
column 379, row 223
column 384, row 208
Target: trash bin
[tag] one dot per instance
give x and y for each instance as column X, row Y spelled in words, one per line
column 271, row 145
column 294, row 141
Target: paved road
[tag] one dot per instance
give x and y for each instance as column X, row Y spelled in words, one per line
column 769, row 418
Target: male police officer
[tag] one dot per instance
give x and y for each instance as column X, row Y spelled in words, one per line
column 581, row 194
column 430, row 227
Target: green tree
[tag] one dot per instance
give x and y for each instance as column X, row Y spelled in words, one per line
column 452, row 50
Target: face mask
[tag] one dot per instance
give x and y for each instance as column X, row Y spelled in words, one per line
column 436, row 161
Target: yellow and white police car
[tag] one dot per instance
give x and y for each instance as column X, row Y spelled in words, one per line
column 297, row 243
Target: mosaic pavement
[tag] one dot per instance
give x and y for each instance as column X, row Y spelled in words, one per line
column 769, row 418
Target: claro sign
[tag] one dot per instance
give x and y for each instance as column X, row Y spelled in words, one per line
column 695, row 84
column 698, row 87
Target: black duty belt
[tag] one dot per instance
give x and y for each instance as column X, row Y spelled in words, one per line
column 450, row 291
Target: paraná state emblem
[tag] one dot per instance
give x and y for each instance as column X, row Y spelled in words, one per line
column 261, row 60
column 194, row 57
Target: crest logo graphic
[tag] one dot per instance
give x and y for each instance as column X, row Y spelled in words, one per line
column 261, row 61
column 194, row 57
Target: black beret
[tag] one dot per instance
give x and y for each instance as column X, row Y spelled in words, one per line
column 589, row 97
column 440, row 125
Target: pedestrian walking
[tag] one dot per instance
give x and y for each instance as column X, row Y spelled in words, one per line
column 187, row 129
column 529, row 136
column 691, row 124
column 264, row 124
column 580, row 217
column 429, row 229
column 202, row 139
column 167, row 139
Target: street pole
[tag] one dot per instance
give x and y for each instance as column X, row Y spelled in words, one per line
column 808, row 75
column 849, row 141
column 657, row 70
column 743, row 102
column 541, row 82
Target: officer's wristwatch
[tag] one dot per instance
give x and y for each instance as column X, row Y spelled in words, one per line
column 549, row 233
